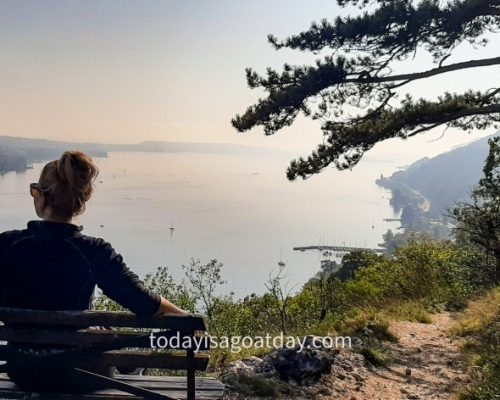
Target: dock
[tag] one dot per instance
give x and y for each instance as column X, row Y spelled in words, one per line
column 338, row 250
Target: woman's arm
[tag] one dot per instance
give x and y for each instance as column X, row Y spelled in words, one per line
column 123, row 286
column 166, row 307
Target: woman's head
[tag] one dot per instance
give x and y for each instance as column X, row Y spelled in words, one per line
column 65, row 185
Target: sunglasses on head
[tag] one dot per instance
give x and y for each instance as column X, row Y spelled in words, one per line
column 36, row 190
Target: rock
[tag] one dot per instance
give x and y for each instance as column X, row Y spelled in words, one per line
column 230, row 379
column 246, row 366
column 239, row 366
column 303, row 367
column 306, row 372
column 324, row 391
column 408, row 371
column 347, row 367
column 358, row 377
column 340, row 375
column 252, row 360
column 413, row 397
column 313, row 392
column 367, row 332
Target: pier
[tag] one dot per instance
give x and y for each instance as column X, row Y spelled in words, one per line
column 338, row 250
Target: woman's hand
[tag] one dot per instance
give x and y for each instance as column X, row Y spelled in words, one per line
column 166, row 307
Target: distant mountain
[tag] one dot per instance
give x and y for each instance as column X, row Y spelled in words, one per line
column 186, row 147
column 40, row 149
column 16, row 152
column 10, row 161
column 440, row 181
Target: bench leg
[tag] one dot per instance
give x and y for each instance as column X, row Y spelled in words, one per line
column 191, row 382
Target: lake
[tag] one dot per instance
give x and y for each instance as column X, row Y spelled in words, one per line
column 239, row 210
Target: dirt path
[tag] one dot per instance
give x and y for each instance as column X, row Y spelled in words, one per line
column 426, row 365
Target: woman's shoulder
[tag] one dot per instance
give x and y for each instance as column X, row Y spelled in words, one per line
column 13, row 234
column 93, row 244
column 8, row 238
column 98, row 252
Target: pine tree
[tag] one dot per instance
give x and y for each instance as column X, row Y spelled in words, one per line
column 478, row 220
column 359, row 74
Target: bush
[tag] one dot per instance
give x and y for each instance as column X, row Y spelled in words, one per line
column 434, row 271
column 376, row 356
column 481, row 325
column 411, row 310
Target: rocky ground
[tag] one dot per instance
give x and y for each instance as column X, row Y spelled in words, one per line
column 425, row 364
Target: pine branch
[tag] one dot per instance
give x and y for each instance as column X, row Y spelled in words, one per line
column 346, row 143
column 289, row 92
column 438, row 27
column 485, row 62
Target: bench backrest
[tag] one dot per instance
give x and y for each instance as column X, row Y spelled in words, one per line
column 128, row 344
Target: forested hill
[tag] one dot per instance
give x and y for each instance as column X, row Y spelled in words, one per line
column 11, row 162
column 444, row 179
column 16, row 152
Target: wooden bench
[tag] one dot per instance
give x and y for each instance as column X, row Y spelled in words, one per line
column 122, row 348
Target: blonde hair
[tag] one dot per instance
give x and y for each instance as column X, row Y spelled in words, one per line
column 68, row 183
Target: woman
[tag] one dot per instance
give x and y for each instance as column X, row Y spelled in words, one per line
column 51, row 265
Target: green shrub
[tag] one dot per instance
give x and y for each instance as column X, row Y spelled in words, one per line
column 376, row 356
column 480, row 324
column 255, row 385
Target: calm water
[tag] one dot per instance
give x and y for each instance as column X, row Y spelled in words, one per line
column 240, row 210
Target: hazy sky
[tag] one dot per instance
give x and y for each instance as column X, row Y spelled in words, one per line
column 123, row 71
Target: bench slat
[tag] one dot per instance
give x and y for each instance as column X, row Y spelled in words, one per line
column 169, row 382
column 207, row 389
column 135, row 359
column 83, row 319
column 88, row 337
column 122, row 358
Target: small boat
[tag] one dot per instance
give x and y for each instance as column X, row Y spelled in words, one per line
column 281, row 263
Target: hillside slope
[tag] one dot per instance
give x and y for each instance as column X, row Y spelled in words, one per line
column 442, row 180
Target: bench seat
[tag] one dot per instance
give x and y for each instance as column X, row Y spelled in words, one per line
column 173, row 386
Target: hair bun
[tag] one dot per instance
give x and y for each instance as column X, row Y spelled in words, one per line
column 76, row 168
column 69, row 181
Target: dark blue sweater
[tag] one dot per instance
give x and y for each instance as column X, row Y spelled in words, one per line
column 53, row 266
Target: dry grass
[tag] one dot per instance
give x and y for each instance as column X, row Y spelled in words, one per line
column 479, row 315
column 480, row 325
column 411, row 310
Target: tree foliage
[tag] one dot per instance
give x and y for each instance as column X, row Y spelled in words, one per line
column 359, row 74
column 204, row 280
column 280, row 293
column 479, row 219
column 355, row 260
